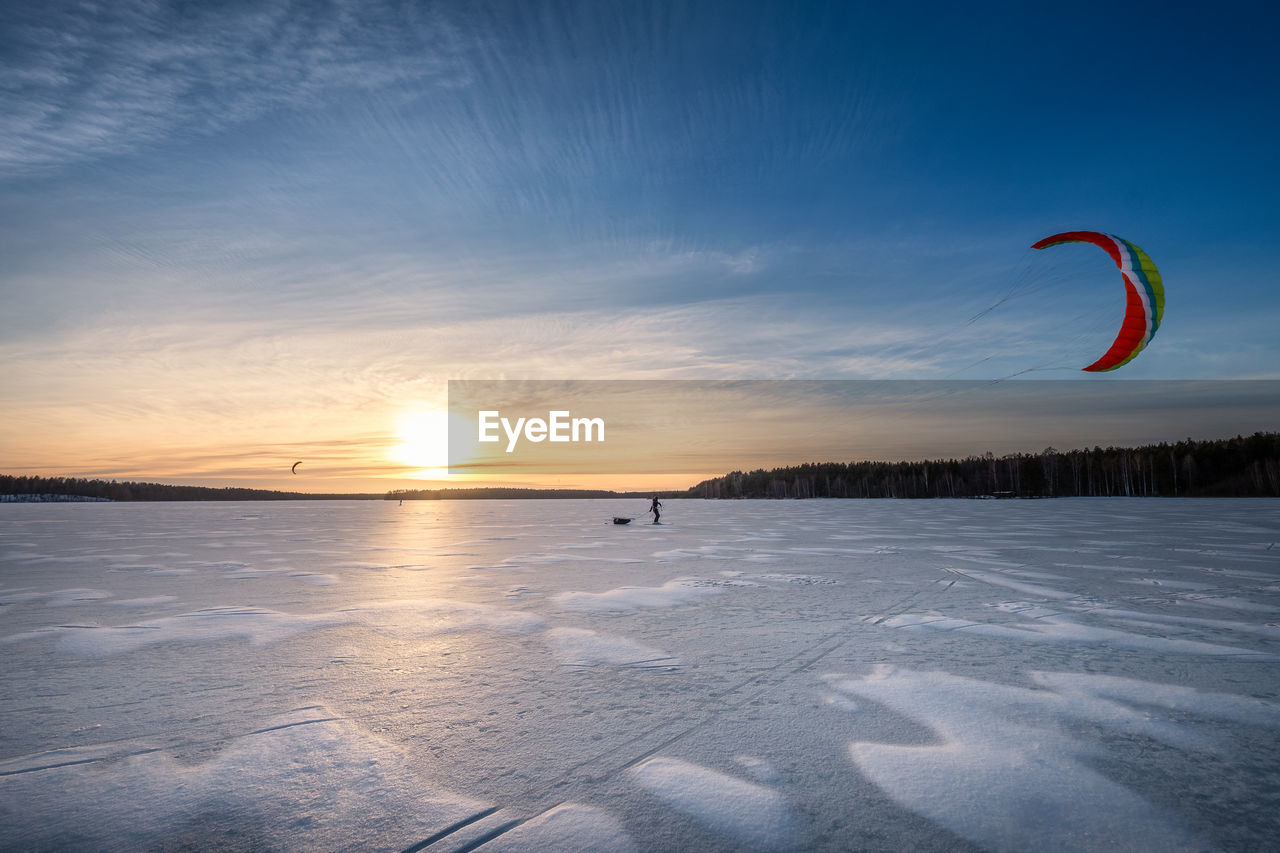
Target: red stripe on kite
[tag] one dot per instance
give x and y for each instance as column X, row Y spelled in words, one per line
column 1102, row 241
column 1132, row 331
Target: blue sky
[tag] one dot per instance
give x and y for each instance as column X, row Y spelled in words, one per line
column 289, row 223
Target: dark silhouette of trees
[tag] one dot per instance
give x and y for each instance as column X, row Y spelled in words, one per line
column 53, row 488
column 1235, row 467
column 130, row 491
column 512, row 494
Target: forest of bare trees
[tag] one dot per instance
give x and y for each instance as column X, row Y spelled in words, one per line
column 1236, row 467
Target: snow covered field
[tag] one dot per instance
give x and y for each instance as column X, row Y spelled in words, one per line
column 820, row 675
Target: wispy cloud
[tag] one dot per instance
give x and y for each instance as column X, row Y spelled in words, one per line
column 84, row 80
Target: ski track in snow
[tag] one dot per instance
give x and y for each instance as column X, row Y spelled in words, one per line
column 566, row 827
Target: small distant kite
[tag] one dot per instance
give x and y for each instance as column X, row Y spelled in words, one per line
column 294, row 469
column 1144, row 300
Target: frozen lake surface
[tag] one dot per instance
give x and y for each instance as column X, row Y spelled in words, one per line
column 752, row 675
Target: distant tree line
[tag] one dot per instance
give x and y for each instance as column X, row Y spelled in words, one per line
column 28, row 488
column 504, row 494
column 1235, row 467
column 130, row 491
column 45, row 497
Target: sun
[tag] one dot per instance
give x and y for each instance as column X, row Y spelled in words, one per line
column 422, row 440
column 425, row 437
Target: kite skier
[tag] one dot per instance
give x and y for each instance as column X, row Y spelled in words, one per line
column 655, row 509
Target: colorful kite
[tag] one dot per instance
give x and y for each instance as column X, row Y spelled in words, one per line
column 1144, row 302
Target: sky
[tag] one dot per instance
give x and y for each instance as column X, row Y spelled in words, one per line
column 236, row 235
